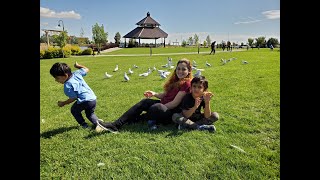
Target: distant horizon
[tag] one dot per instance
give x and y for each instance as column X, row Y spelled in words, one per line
column 222, row 21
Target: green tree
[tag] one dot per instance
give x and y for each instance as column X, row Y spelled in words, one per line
column 190, row 40
column 273, row 41
column 61, row 40
column 208, row 39
column 205, row 43
column 184, row 43
column 250, row 41
column 196, row 39
column 260, row 41
column 99, row 36
column 117, row 38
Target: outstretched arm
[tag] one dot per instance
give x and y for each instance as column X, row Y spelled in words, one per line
column 79, row 66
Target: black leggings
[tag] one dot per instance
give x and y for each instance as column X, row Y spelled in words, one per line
column 155, row 111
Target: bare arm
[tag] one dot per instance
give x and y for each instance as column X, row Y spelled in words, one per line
column 79, row 66
column 207, row 110
column 187, row 113
column 68, row 101
column 176, row 101
column 150, row 94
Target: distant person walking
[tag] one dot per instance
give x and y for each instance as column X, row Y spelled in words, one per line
column 213, row 47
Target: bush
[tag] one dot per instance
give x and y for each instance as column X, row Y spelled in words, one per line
column 42, row 52
column 87, row 51
column 52, row 52
column 75, row 50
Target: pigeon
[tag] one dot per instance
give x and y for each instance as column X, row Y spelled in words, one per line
column 208, row 64
column 126, row 78
column 130, row 71
column 154, row 68
column 223, row 61
column 135, row 66
column 116, row 69
column 197, row 74
column 106, row 75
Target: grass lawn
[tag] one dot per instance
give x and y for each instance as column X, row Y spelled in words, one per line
column 247, row 97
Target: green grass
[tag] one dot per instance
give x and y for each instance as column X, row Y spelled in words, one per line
column 247, row 97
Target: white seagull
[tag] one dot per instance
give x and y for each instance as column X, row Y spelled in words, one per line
column 130, row 71
column 126, row 78
column 244, row 62
column 116, row 69
column 106, row 75
column 197, row 74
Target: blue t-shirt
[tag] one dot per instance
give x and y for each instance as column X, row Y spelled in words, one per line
column 76, row 87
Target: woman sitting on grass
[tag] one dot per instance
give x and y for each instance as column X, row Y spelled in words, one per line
column 158, row 110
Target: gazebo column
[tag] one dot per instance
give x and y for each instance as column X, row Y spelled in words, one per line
column 139, row 41
column 125, row 42
column 164, row 42
column 155, row 42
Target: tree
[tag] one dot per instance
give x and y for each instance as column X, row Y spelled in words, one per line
column 117, row 38
column 99, row 36
column 208, row 40
column 196, row 39
column 205, row 43
column 184, row 43
column 250, row 41
column 261, row 41
column 273, row 41
column 74, row 40
column 61, row 40
column 190, row 40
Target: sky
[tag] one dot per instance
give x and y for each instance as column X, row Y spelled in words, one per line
column 221, row 20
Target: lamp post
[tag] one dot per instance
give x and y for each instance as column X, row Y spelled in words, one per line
column 60, row 25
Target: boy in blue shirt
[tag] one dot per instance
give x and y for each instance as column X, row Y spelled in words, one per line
column 192, row 103
column 77, row 90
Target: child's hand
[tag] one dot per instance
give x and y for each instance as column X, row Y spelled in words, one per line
column 207, row 96
column 197, row 102
column 149, row 94
column 76, row 64
column 60, row 103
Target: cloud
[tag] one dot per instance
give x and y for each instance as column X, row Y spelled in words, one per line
column 47, row 13
column 248, row 21
column 272, row 14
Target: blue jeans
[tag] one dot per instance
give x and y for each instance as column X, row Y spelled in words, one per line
column 88, row 107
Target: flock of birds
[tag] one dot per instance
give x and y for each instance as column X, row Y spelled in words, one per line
column 164, row 73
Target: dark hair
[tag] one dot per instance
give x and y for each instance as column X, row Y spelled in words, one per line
column 202, row 80
column 60, row 69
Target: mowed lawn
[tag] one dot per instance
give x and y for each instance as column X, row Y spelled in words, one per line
column 246, row 144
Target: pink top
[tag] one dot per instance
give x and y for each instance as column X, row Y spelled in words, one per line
column 170, row 95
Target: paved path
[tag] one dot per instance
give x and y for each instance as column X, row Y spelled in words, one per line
column 161, row 54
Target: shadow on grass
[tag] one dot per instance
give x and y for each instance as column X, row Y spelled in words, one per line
column 142, row 127
column 54, row 132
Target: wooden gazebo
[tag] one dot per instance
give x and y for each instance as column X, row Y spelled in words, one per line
column 147, row 28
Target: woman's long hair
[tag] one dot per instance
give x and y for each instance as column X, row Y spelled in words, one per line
column 174, row 81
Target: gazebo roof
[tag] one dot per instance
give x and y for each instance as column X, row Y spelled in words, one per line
column 147, row 28
column 146, row 33
column 148, row 21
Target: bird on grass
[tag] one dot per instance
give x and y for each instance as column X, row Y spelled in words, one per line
column 106, row 75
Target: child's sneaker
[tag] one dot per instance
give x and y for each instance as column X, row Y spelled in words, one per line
column 210, row 128
column 152, row 124
column 85, row 126
column 107, row 126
